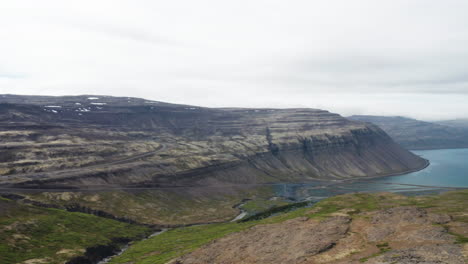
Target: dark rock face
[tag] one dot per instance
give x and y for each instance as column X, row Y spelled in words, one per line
column 97, row 253
column 415, row 134
column 92, row 141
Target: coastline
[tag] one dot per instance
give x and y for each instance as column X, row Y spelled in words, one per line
column 427, row 163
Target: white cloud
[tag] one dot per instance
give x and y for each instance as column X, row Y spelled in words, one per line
column 362, row 56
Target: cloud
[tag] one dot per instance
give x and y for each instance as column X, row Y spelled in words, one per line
column 362, row 56
column 12, row 75
column 122, row 32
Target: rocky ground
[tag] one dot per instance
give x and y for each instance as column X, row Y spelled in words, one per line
column 398, row 235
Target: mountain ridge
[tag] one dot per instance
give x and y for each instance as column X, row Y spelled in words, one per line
column 200, row 146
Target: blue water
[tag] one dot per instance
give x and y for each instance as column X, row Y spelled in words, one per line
column 448, row 170
column 449, row 167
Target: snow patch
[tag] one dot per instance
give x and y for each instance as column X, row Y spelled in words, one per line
column 98, row 103
column 83, row 110
column 93, row 98
column 53, row 106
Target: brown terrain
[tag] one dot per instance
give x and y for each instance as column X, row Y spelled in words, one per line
column 403, row 235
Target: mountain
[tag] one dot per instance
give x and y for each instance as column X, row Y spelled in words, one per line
column 94, row 141
column 460, row 123
column 415, row 134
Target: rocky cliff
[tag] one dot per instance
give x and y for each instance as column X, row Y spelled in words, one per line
column 96, row 141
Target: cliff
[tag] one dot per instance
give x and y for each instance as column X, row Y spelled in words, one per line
column 102, row 141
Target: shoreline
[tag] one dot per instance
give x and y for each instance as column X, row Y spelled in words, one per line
column 422, row 149
column 427, row 163
column 331, row 181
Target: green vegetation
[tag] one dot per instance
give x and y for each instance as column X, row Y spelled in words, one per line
column 260, row 205
column 177, row 242
column 54, row 236
column 460, row 239
column 170, row 206
column 384, row 247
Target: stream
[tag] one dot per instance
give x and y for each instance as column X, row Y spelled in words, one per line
column 127, row 246
column 241, row 215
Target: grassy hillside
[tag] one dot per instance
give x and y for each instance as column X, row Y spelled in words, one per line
column 43, row 235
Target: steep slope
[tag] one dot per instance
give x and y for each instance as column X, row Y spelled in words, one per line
column 415, row 134
column 96, row 141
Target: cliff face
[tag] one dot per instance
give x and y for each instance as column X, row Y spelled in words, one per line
column 89, row 141
column 415, row 134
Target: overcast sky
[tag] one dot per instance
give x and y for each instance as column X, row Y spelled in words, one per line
column 381, row 57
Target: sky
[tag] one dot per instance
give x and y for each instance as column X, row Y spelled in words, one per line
column 386, row 57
